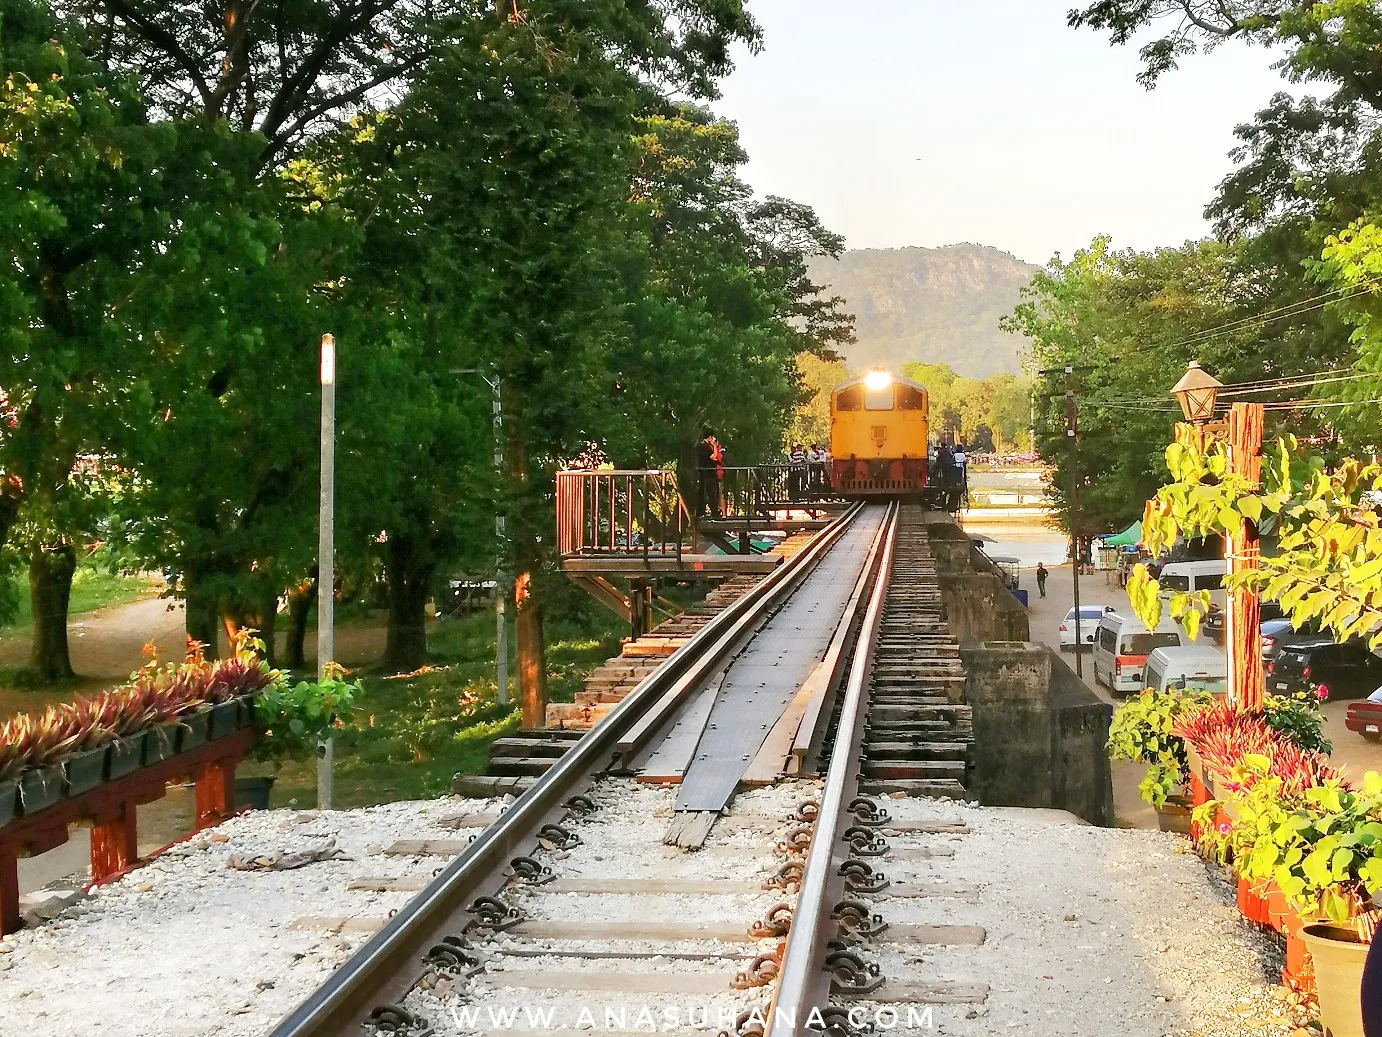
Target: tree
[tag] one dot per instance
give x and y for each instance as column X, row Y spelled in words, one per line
column 721, row 302
column 818, row 378
column 110, row 220
column 1130, row 322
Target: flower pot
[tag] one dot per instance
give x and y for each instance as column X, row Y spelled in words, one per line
column 192, row 728
column 160, row 742
column 1252, row 906
column 39, row 788
column 1338, row 955
column 83, row 771
column 246, row 717
column 126, row 756
column 9, row 796
column 1174, row 815
column 253, row 792
column 223, row 719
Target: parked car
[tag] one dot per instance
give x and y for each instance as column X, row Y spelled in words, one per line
column 1090, row 615
column 1121, row 648
column 1365, row 716
column 1278, row 631
column 1348, row 670
column 1194, row 576
column 1198, row 667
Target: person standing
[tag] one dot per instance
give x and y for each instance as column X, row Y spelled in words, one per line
column 717, row 456
column 707, row 479
column 1041, row 575
column 796, row 471
column 817, row 461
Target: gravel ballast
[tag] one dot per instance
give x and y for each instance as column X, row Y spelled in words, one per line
column 1089, row 931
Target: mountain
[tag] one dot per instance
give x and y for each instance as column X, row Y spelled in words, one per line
column 935, row 305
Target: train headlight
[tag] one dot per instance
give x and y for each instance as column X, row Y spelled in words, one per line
column 876, row 380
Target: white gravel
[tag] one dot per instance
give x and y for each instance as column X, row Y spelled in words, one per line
column 187, row 947
column 1090, row 931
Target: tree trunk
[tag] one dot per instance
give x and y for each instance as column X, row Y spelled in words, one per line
column 50, row 590
column 409, row 573
column 532, row 656
column 261, row 616
column 300, row 600
column 203, row 609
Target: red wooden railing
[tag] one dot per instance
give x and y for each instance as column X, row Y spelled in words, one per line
column 610, row 512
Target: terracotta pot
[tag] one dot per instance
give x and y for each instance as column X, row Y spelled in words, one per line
column 1252, row 906
column 1338, row 955
column 1174, row 816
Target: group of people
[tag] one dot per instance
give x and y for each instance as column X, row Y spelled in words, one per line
column 950, row 473
column 806, row 471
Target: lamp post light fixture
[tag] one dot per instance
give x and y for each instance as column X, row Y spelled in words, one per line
column 1197, row 392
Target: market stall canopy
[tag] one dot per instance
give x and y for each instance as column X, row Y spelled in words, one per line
column 1130, row 537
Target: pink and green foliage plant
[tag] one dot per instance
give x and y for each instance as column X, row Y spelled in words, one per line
column 153, row 694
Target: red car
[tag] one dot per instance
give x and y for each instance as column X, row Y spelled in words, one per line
column 1365, row 716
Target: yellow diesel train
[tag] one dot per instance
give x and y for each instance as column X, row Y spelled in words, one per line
column 878, row 436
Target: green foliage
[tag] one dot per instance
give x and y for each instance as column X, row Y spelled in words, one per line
column 993, row 413
column 293, row 718
column 1299, row 718
column 1141, row 733
column 1122, row 320
column 1323, row 849
column 1328, row 563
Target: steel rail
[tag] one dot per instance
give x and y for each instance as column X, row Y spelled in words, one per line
column 390, row 963
column 804, row 985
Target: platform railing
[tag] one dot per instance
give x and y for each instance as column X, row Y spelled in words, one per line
column 758, row 490
column 608, row 511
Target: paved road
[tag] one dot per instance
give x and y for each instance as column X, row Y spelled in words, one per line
column 1351, row 751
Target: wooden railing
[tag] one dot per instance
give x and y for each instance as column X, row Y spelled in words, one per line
column 620, row 512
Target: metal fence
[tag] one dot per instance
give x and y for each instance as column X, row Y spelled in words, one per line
column 620, row 512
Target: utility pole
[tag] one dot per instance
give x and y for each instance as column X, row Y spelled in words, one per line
column 501, row 585
column 326, row 547
column 1072, row 428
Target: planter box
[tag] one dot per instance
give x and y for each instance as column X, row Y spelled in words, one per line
column 1175, row 815
column 246, row 717
column 39, row 788
column 83, row 771
column 253, row 792
column 192, row 729
column 1252, row 906
column 160, row 742
column 9, row 797
column 224, row 718
column 126, row 756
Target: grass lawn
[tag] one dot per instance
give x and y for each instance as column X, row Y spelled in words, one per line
column 413, row 732
column 92, row 588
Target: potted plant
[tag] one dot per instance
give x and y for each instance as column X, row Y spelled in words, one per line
column 36, row 742
column 84, row 765
column 232, row 682
column 1141, row 732
column 293, row 719
column 11, row 763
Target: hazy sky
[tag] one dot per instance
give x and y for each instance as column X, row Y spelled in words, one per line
column 929, row 122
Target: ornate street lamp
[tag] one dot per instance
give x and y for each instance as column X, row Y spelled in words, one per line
column 1196, row 392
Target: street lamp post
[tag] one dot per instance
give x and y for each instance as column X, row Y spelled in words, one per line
column 1197, row 393
column 326, row 568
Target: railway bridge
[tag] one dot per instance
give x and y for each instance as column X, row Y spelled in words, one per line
column 749, row 786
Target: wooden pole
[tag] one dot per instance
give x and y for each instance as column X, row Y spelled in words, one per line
column 1244, row 615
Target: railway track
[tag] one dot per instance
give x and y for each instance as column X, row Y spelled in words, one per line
column 579, row 907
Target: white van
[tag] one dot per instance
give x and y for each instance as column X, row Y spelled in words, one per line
column 1196, row 667
column 1195, row 576
column 1122, row 646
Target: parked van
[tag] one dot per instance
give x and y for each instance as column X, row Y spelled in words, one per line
column 1196, row 667
column 1195, row 576
column 1121, row 648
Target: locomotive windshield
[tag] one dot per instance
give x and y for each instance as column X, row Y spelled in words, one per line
column 851, row 398
column 909, row 398
column 879, row 399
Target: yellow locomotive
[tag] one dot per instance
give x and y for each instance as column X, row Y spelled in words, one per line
column 878, row 436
